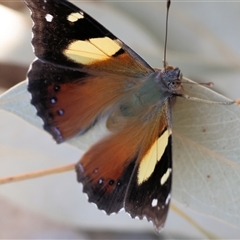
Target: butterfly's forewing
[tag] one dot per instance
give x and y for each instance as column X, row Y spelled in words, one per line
column 67, row 36
column 84, row 72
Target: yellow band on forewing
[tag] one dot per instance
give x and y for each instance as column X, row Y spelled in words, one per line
column 73, row 17
column 106, row 44
column 84, row 52
column 149, row 161
column 95, row 49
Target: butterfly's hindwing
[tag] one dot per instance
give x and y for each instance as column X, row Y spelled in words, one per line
column 49, row 86
column 70, row 102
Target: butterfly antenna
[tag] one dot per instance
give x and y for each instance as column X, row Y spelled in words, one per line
column 166, row 35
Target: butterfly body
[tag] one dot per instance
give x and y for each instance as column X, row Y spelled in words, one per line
column 84, row 73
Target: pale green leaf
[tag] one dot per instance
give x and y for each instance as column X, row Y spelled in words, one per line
column 16, row 100
column 206, row 153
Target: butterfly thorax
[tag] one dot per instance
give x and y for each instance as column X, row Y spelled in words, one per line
column 159, row 86
column 148, row 99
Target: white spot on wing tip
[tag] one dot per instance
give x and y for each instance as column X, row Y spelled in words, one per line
column 49, row 17
column 154, row 202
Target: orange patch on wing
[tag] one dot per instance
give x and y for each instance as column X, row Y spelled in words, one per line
column 89, row 99
column 112, row 155
column 109, row 157
column 121, row 64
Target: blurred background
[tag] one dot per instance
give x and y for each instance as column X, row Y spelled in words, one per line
column 203, row 42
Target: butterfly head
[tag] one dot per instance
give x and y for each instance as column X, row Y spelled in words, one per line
column 170, row 80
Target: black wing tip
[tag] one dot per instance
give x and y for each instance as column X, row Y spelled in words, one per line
column 158, row 221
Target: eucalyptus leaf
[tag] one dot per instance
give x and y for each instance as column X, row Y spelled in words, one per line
column 16, row 100
column 206, row 155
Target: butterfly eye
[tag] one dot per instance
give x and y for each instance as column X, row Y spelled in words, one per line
column 174, row 84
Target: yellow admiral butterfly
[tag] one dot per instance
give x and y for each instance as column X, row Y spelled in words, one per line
column 84, row 73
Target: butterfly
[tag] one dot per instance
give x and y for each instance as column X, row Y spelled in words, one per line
column 82, row 74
